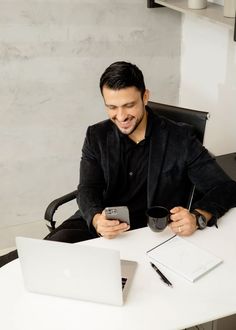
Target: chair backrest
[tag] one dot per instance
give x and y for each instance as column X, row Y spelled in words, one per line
column 193, row 117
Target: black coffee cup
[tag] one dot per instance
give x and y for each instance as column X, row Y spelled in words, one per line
column 158, row 218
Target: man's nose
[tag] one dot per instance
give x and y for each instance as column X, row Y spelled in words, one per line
column 121, row 114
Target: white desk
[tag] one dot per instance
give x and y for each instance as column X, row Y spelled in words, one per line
column 150, row 305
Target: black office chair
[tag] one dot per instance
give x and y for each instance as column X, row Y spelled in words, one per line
column 192, row 117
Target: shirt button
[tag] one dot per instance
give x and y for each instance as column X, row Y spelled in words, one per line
column 130, row 173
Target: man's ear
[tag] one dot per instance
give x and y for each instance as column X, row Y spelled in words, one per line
column 146, row 96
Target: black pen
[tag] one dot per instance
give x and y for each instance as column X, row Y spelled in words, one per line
column 164, row 279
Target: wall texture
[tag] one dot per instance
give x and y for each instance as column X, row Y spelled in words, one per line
column 208, row 79
column 51, row 56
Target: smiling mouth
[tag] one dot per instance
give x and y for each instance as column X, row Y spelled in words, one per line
column 124, row 124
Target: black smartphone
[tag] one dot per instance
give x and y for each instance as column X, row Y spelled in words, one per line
column 120, row 213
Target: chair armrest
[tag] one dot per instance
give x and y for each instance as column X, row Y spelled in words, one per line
column 53, row 206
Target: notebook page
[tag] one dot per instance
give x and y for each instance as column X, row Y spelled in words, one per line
column 184, row 258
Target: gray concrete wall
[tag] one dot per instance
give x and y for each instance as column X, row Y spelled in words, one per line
column 51, row 56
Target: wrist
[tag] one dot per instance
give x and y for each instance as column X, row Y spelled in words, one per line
column 201, row 219
column 95, row 220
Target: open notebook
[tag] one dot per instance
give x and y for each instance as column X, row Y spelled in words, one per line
column 184, row 258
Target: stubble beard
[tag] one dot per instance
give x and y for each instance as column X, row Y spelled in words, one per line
column 131, row 130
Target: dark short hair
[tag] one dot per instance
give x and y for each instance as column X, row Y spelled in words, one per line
column 121, row 75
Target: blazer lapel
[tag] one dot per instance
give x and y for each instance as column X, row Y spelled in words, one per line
column 158, row 140
column 113, row 157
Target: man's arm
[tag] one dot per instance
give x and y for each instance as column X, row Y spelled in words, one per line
column 91, row 183
column 218, row 191
column 91, row 189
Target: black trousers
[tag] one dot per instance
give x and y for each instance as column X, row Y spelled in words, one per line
column 72, row 230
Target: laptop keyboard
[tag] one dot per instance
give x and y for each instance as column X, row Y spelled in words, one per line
column 123, row 280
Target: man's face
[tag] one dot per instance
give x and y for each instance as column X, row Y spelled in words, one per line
column 125, row 107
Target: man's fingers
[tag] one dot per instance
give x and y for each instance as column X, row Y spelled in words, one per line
column 110, row 223
column 114, row 230
column 178, row 213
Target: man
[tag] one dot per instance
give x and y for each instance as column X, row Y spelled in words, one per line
column 139, row 159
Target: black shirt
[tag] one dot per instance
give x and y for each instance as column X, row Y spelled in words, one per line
column 132, row 178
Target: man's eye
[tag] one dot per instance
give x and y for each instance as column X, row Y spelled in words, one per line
column 130, row 105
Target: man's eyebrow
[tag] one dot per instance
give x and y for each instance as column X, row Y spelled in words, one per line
column 110, row 105
column 123, row 105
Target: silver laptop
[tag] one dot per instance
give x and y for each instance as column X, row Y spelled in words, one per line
column 75, row 270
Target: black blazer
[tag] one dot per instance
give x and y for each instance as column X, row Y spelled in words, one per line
column 176, row 159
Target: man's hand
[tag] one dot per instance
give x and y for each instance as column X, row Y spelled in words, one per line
column 108, row 228
column 183, row 222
